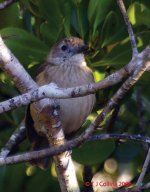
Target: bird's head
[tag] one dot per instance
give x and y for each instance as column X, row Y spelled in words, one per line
column 68, row 51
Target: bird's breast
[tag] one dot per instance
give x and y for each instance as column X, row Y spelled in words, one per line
column 73, row 111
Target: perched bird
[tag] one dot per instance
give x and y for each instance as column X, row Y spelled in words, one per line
column 65, row 66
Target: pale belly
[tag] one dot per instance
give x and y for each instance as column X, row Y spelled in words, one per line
column 73, row 111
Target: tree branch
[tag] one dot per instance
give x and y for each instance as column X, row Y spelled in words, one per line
column 63, row 162
column 129, row 27
column 52, row 91
column 25, row 83
column 69, row 145
column 18, row 136
column 144, row 169
column 146, row 186
column 88, row 132
column 15, row 70
column 117, row 136
column 7, row 3
column 142, row 58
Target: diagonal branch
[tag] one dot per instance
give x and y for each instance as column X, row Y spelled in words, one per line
column 52, row 91
column 18, row 136
column 146, row 186
column 25, row 83
column 129, row 27
column 6, row 3
column 144, row 169
column 63, row 161
column 69, row 145
column 127, row 85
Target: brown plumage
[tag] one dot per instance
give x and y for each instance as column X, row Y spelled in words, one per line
column 65, row 66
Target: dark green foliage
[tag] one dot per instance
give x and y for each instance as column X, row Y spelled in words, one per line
column 30, row 28
column 97, row 152
column 127, row 151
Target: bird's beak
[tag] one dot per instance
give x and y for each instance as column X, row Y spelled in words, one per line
column 84, row 48
column 81, row 49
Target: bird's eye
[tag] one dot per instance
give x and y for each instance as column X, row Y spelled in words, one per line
column 64, row 47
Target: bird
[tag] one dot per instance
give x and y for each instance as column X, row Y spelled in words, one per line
column 65, row 66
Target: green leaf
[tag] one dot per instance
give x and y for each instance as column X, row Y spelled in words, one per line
column 139, row 14
column 33, row 7
column 51, row 8
column 129, row 114
column 51, row 11
column 66, row 12
column 127, row 151
column 93, row 152
column 26, row 47
column 143, row 39
column 112, row 31
column 119, row 56
column 98, row 76
column 121, row 53
column 9, row 17
column 16, row 183
column 79, row 19
column 97, row 11
column 47, row 35
column 2, row 177
column 35, row 184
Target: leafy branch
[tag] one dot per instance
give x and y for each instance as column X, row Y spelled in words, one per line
column 30, row 91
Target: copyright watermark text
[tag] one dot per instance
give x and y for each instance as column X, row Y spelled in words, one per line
column 106, row 184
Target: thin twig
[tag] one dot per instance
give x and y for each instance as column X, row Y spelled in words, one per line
column 8, row 61
column 129, row 27
column 52, row 91
column 139, row 138
column 6, row 3
column 25, row 83
column 69, row 145
column 146, row 186
column 88, row 132
column 144, row 169
column 17, row 137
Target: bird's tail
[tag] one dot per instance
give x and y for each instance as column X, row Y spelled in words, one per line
column 43, row 163
column 37, row 142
